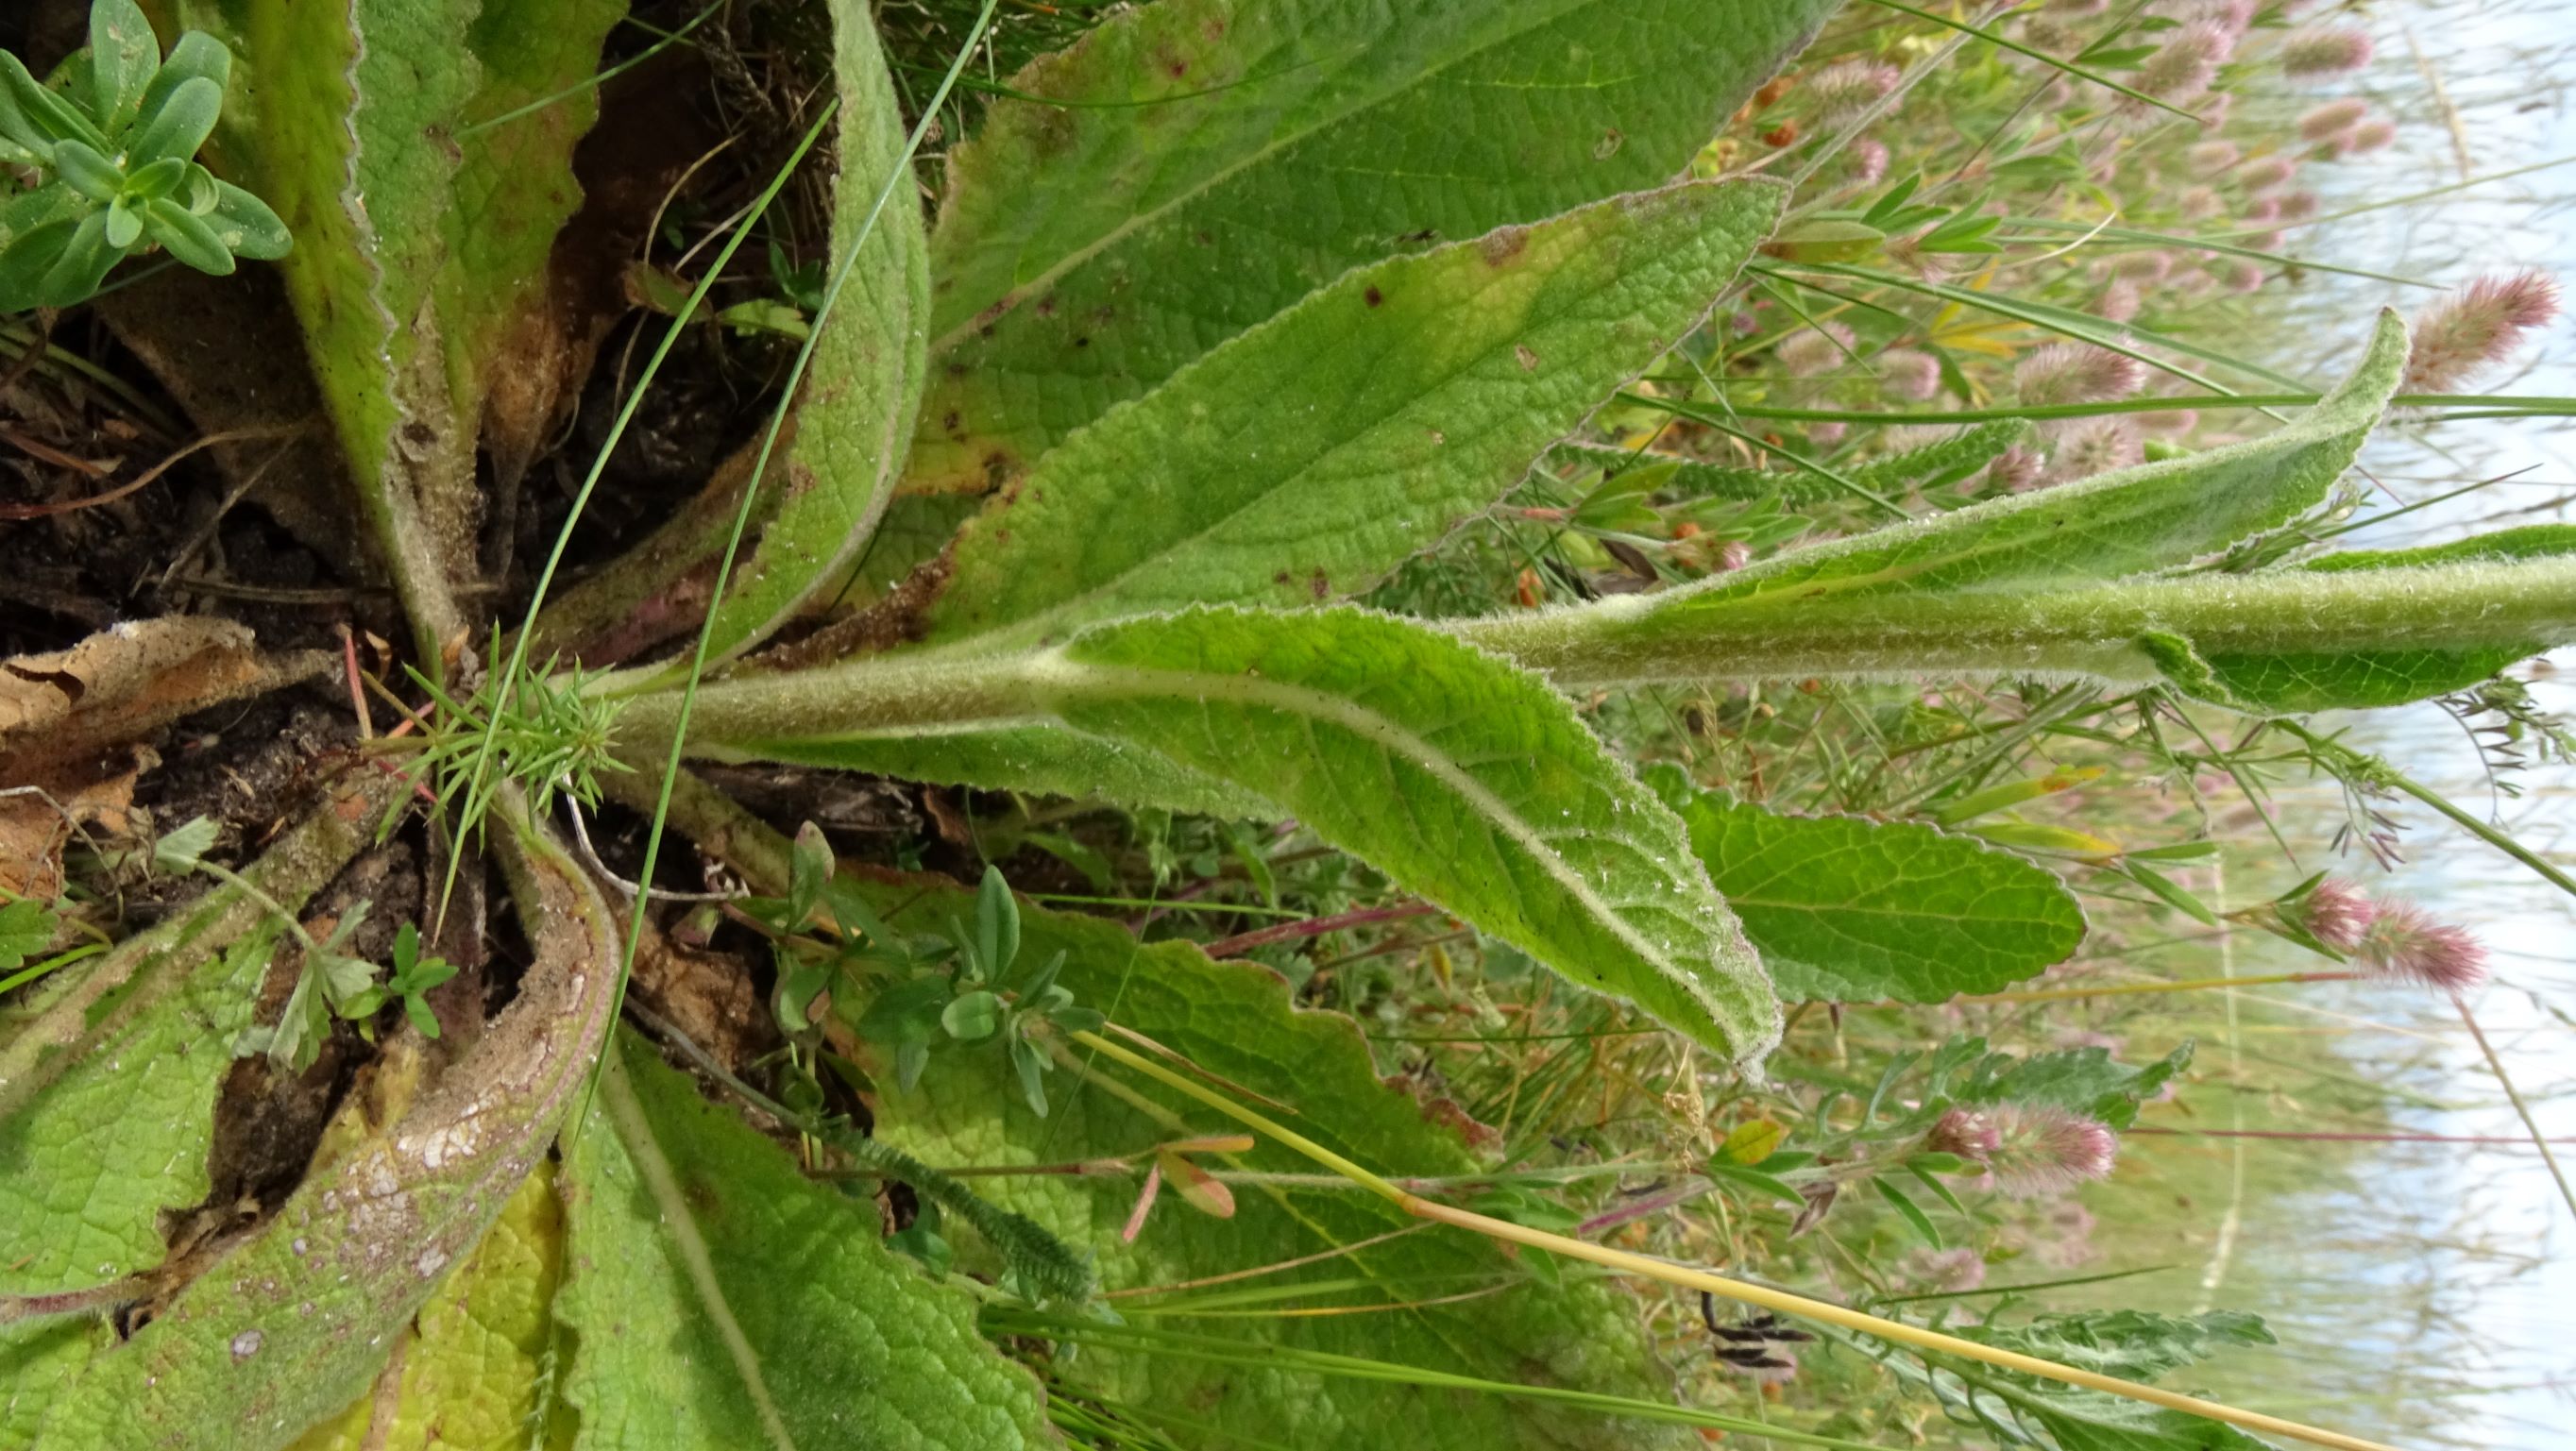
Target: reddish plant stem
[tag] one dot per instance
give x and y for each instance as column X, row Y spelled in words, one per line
column 2497, row 1140
column 1243, row 942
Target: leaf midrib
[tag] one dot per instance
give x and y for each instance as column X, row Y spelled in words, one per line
column 1075, row 681
column 1009, row 301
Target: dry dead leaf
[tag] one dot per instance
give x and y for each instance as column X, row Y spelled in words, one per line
column 126, row 682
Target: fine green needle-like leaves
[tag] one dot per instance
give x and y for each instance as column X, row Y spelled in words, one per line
column 717, row 1297
column 1235, row 1021
column 1195, row 166
column 1307, row 458
column 1845, row 909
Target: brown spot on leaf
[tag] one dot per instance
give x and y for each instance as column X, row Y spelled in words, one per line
column 1375, row 297
column 1528, row 359
column 1319, row 586
column 1502, row 246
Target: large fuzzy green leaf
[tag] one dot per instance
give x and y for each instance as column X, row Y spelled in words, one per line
column 472, row 1369
column 1195, row 166
column 1235, row 1020
column 855, row 409
column 1309, row 457
column 88, row 1166
column 418, row 241
column 2106, row 527
column 717, row 1297
column 1845, row 909
column 1464, row 779
column 285, row 1327
column 1049, row 758
column 2305, row 680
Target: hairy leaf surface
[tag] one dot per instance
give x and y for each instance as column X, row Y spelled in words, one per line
column 1235, row 1020
column 2306, row 680
column 2105, row 527
column 1844, row 909
column 418, row 240
column 1193, row 167
column 855, row 409
column 470, row 1372
column 720, row 1298
column 1464, row 779
column 284, row 1328
column 1307, row 458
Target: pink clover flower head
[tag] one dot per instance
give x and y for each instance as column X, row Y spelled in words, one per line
column 2404, row 944
column 2324, row 123
column 2375, row 134
column 2267, row 173
column 2199, row 203
column 2143, row 266
column 2298, row 206
column 2209, row 158
column 1969, row 1133
column 2321, row 50
column 2095, row 446
column 1827, row 434
column 1955, row 1270
column 2120, row 301
column 2077, row 373
column 2045, row 1150
column 2183, row 67
column 1868, row 161
column 2464, row 334
column 2242, row 275
column 2017, row 470
column 1907, row 373
column 1809, row 352
column 1847, row 86
column 2337, row 913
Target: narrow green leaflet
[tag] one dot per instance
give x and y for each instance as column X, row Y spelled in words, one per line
column 2304, row 680
column 854, row 412
column 471, row 1372
column 717, row 1297
column 2130, row 1344
column 1845, row 909
column 351, row 120
column 1192, row 167
column 2115, row 524
column 289, row 1325
column 1464, row 779
column 1308, row 458
column 1235, row 1020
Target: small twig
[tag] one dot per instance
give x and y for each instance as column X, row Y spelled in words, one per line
column 357, row 683
column 590, row 858
column 66, row 506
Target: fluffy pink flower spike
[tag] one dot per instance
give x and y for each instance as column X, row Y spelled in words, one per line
column 2404, row 944
column 2476, row 327
column 2324, row 51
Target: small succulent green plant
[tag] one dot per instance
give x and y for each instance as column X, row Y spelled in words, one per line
column 104, row 155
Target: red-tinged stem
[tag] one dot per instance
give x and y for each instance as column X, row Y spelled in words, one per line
column 2320, row 1136
column 1243, row 942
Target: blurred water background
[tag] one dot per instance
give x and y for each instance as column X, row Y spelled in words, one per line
column 2424, row 1293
